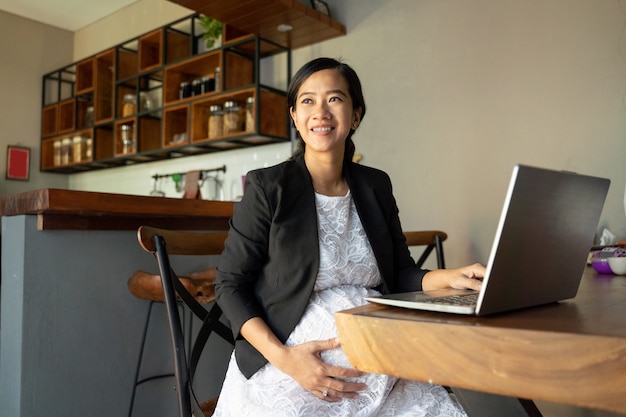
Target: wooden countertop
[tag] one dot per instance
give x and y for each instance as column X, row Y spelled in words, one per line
column 84, row 210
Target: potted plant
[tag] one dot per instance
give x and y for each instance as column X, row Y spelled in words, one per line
column 212, row 30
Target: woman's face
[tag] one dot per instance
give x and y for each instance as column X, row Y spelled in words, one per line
column 323, row 113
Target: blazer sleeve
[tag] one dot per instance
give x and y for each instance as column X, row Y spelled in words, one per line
column 245, row 253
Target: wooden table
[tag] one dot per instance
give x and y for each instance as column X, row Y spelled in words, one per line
column 573, row 352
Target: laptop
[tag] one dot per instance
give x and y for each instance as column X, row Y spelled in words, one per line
column 546, row 230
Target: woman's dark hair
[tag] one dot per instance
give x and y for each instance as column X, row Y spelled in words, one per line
column 354, row 89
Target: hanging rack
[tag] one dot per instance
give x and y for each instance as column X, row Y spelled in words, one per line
column 203, row 175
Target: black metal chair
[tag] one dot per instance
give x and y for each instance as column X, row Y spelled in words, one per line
column 431, row 239
column 163, row 243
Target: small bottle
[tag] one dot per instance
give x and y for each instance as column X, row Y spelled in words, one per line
column 129, row 105
column 57, row 153
column 250, row 114
column 232, row 118
column 216, row 121
column 218, row 79
column 127, row 139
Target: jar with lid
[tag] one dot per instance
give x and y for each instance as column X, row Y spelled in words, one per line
column 232, row 117
column 57, row 152
column 208, row 84
column 89, row 116
column 129, row 105
column 184, row 90
column 196, row 87
column 250, row 114
column 66, row 151
column 127, row 138
column 88, row 149
column 216, row 121
column 77, row 148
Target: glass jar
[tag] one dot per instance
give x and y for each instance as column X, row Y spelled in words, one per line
column 145, row 101
column 88, row 149
column 57, row 152
column 232, row 117
column 66, row 151
column 77, row 148
column 127, row 139
column 129, row 105
column 208, row 84
column 196, row 87
column 250, row 114
column 216, row 121
column 184, row 90
column 89, row 116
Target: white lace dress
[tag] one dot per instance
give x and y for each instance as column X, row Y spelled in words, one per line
column 347, row 273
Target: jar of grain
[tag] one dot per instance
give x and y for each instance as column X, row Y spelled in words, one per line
column 57, row 152
column 66, row 151
column 232, row 117
column 77, row 148
column 250, row 114
column 129, row 105
column 216, row 121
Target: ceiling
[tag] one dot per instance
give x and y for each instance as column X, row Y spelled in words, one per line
column 65, row 14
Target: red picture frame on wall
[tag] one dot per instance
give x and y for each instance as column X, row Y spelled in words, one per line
column 18, row 163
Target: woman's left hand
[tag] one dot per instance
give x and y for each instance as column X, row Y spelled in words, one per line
column 467, row 277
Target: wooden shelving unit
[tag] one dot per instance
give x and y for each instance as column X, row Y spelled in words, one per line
column 263, row 17
column 85, row 99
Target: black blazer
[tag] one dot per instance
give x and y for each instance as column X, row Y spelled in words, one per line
column 271, row 256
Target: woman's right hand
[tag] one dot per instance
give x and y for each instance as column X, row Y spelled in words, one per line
column 305, row 365
column 304, row 362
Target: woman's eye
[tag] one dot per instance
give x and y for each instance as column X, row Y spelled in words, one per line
column 307, row 101
column 334, row 99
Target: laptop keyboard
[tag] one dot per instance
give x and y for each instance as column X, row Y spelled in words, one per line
column 454, row 300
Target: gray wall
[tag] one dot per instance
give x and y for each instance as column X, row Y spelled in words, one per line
column 28, row 50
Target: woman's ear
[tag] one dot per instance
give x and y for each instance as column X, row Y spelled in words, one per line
column 292, row 113
column 356, row 118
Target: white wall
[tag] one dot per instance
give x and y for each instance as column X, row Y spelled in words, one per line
column 457, row 93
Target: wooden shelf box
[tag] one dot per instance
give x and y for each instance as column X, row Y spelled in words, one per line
column 49, row 120
column 176, row 126
column 67, row 116
column 104, row 80
column 188, row 71
column 85, row 73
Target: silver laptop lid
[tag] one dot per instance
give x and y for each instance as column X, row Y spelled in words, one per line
column 544, row 235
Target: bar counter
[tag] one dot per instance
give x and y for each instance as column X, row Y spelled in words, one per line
column 83, row 210
column 70, row 330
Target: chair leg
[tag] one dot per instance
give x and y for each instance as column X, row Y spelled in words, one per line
column 136, row 380
column 139, row 360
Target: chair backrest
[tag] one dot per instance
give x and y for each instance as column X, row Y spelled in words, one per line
column 163, row 243
column 431, row 239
